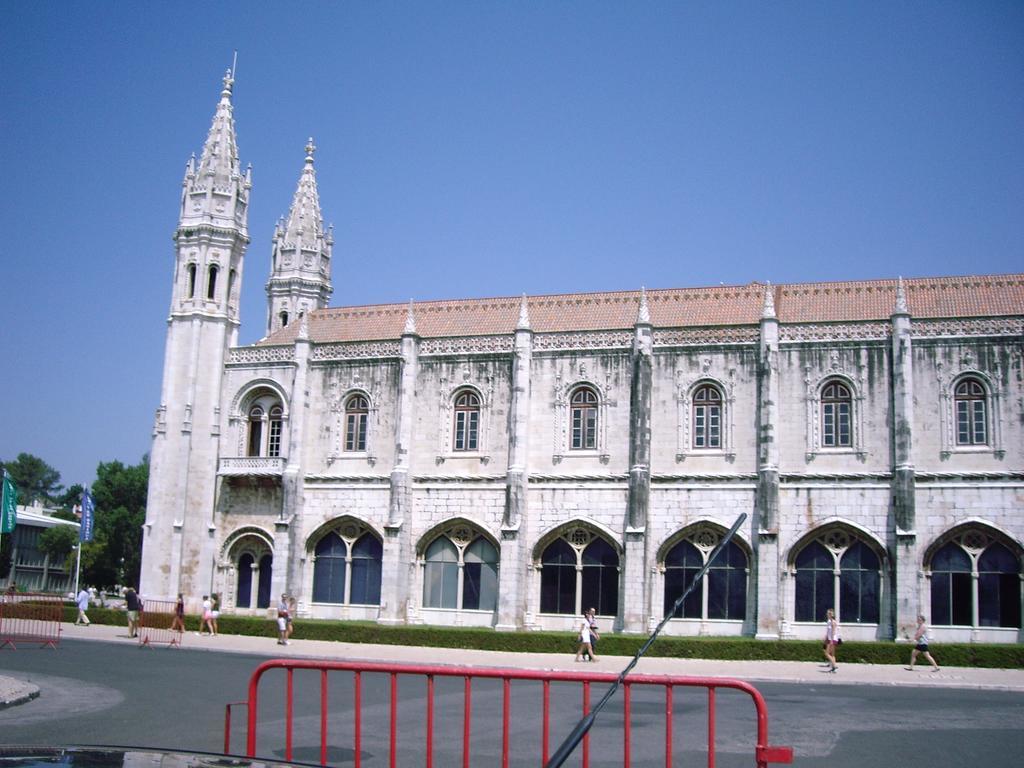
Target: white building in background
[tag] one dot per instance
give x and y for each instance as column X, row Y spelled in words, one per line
column 509, row 462
column 31, row 569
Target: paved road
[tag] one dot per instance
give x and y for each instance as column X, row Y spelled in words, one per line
column 117, row 693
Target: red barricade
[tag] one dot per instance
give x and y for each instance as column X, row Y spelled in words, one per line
column 30, row 617
column 448, row 714
column 155, row 620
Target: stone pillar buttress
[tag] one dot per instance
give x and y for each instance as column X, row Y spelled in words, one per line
column 398, row 561
column 515, row 562
column 635, row 585
column 764, row 596
column 904, row 598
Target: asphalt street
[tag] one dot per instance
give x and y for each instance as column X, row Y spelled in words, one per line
column 117, row 693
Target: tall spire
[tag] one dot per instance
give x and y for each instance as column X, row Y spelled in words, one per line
column 524, row 316
column 768, row 311
column 216, row 191
column 300, row 277
column 643, row 315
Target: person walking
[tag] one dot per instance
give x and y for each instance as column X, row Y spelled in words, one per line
column 921, row 645
column 178, row 622
column 832, row 639
column 132, row 605
column 585, row 637
column 283, row 615
column 214, row 613
column 291, row 617
column 82, row 599
column 591, row 616
column 206, row 619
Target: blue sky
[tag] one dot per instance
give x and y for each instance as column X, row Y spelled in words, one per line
column 474, row 149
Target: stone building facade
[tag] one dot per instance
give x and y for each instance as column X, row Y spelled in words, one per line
column 509, row 462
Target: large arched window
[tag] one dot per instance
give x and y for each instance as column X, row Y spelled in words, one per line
column 460, row 571
column 191, row 280
column 838, row 571
column 265, row 426
column 347, row 567
column 975, row 582
column 466, row 428
column 723, row 592
column 707, row 417
column 254, row 565
column 243, row 597
column 578, row 571
column 836, row 415
column 263, row 583
column 583, row 419
column 357, row 409
column 971, row 412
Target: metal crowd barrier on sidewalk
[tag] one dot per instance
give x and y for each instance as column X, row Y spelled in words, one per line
column 155, row 621
column 315, row 711
column 30, row 617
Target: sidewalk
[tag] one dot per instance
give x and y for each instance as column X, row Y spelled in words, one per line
column 753, row 671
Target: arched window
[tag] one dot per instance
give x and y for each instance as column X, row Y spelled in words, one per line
column 347, row 567
column 191, row 280
column 284, row 318
column 211, row 283
column 579, row 570
column 841, row 572
column 836, row 415
column 975, row 583
column 467, row 421
column 707, row 417
column 460, row 572
column 971, row 413
column 255, row 431
column 583, row 419
column 265, row 426
column 723, row 592
column 357, row 409
column 243, row 597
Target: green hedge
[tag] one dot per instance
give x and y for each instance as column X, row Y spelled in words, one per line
column 735, row 648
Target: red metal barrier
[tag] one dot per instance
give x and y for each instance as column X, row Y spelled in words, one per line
column 155, row 621
column 763, row 752
column 31, row 618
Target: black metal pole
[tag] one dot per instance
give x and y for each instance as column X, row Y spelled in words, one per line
column 576, row 735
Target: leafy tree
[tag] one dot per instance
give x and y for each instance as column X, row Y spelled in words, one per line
column 115, row 554
column 66, row 503
column 58, row 542
column 34, row 477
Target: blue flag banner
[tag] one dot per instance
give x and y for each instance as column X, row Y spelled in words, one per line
column 8, row 505
column 88, row 510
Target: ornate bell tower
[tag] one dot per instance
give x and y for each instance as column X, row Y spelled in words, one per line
column 210, row 243
column 300, row 266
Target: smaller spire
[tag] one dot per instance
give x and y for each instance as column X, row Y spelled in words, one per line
column 524, row 316
column 410, row 322
column 310, row 149
column 769, row 301
column 901, row 298
column 303, row 334
column 643, row 315
column 229, row 82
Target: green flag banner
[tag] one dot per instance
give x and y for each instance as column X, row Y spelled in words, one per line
column 9, row 505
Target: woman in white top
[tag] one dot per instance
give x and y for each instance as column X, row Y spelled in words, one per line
column 921, row 645
column 584, row 643
column 832, row 639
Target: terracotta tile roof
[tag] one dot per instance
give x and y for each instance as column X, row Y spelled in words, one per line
column 981, row 296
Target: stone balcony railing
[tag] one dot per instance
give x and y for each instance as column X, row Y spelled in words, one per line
column 256, row 466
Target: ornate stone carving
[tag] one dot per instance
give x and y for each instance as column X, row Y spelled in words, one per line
column 584, row 340
column 356, row 350
column 834, row 331
column 729, row 334
column 463, row 345
column 968, row 326
column 261, row 354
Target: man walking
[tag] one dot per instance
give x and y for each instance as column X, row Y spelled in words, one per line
column 83, row 603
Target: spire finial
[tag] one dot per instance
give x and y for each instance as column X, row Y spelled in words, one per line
column 229, row 81
column 643, row 315
column 524, row 316
column 310, row 149
column 769, row 301
column 410, row 321
column 901, row 297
